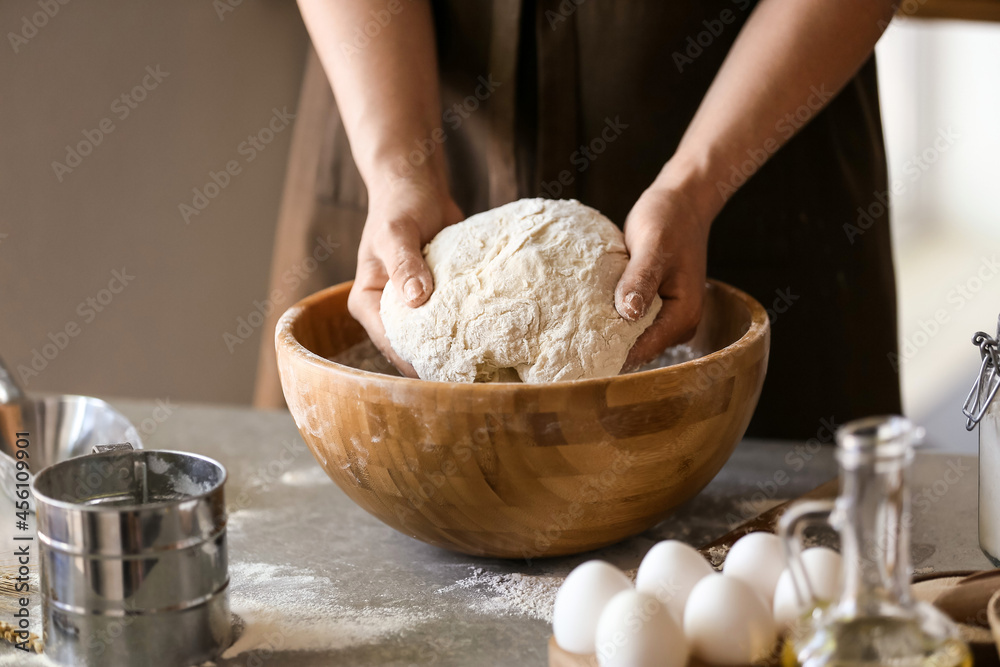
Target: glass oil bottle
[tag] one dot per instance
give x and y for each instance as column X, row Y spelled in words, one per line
column 876, row 621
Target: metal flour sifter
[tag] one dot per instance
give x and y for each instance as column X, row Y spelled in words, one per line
column 134, row 563
column 131, row 543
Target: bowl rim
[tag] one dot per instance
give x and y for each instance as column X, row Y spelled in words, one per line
column 284, row 338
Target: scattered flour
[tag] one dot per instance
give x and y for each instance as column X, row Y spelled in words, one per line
column 284, row 608
column 671, row 357
column 514, row 594
column 366, row 357
column 311, row 476
column 12, row 657
column 180, row 482
column 511, row 594
column 747, row 508
column 240, row 520
column 717, row 556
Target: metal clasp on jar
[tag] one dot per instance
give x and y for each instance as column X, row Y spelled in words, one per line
column 988, row 381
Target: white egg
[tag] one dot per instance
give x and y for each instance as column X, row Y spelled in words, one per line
column 727, row 623
column 637, row 630
column 823, row 568
column 758, row 559
column 579, row 603
column 669, row 572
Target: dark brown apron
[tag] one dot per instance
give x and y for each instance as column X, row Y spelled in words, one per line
column 588, row 99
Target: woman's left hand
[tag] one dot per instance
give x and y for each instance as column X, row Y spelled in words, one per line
column 667, row 244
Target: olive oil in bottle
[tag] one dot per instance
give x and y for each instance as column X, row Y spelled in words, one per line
column 876, row 621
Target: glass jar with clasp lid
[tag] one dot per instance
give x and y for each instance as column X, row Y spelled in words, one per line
column 876, row 621
column 980, row 408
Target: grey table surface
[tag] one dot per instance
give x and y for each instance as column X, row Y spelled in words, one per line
column 315, row 580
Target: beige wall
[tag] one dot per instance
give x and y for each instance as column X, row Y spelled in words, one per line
column 162, row 334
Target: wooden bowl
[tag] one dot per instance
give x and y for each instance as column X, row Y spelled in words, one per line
column 522, row 470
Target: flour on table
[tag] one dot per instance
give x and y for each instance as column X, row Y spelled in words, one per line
column 237, row 521
column 13, row 657
column 311, row 476
column 284, row 608
column 521, row 292
column 511, row 594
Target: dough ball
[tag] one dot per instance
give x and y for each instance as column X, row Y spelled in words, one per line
column 524, row 291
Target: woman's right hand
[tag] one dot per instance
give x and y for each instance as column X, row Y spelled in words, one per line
column 388, row 96
column 403, row 216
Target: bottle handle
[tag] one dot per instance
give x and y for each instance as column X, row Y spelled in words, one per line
column 793, row 523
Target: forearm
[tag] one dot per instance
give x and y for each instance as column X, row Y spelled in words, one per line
column 790, row 54
column 386, row 85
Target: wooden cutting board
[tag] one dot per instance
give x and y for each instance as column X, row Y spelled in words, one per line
column 767, row 521
column 561, row 658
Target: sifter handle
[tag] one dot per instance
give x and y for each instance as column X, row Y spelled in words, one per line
column 115, row 447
